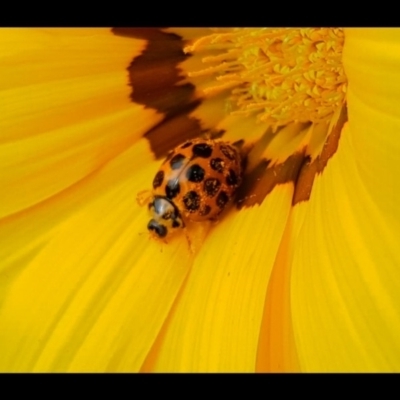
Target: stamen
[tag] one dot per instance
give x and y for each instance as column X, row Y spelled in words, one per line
column 281, row 75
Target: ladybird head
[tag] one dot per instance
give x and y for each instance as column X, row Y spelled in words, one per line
column 165, row 215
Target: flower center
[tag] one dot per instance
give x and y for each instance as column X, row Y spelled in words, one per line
column 282, row 75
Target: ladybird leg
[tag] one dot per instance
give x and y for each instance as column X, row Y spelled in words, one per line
column 143, row 197
column 190, row 244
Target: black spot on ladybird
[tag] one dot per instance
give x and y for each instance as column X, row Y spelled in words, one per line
column 211, row 186
column 195, row 173
column 176, row 161
column 228, row 152
column 232, row 178
column 173, row 188
column 191, row 201
column 187, row 144
column 158, row 179
column 205, row 210
column 217, row 164
column 222, row 200
column 203, row 150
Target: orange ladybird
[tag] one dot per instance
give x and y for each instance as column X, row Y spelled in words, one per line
column 195, row 183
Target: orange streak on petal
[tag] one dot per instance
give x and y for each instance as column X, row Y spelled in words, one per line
column 277, row 349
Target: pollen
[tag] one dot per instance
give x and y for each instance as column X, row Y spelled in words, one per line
column 281, row 75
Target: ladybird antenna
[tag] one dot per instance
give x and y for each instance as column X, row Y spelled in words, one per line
column 143, row 197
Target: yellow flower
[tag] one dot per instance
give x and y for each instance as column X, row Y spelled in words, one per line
column 303, row 277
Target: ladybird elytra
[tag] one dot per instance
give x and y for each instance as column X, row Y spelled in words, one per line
column 195, row 183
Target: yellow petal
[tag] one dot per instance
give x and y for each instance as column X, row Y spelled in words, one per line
column 56, row 136
column 215, row 323
column 22, row 234
column 74, row 243
column 96, row 295
column 345, row 279
column 276, row 347
column 64, row 112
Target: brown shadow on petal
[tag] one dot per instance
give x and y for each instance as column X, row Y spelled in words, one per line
column 154, row 75
column 259, row 182
column 310, row 169
column 172, row 132
column 157, row 83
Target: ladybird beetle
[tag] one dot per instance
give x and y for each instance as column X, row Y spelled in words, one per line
column 195, row 183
